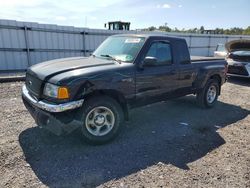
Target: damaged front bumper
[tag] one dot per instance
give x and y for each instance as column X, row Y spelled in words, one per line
column 238, row 69
column 57, row 118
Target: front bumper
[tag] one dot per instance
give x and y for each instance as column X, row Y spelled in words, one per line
column 53, row 117
column 238, row 75
column 51, row 107
column 238, row 69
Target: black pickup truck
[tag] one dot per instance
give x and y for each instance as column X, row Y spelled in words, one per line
column 96, row 93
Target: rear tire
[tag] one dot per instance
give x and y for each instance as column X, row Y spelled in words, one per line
column 208, row 96
column 101, row 117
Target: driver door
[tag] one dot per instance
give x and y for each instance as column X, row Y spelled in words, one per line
column 158, row 81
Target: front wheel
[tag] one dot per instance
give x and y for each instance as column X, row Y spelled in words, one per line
column 208, row 96
column 102, row 117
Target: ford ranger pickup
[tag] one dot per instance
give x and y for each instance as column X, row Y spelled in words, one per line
column 95, row 94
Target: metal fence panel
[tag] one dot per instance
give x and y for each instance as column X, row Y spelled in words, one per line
column 10, row 60
column 23, row 44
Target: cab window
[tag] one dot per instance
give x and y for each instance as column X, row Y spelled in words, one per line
column 162, row 52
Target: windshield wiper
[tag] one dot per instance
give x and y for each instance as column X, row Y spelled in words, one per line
column 111, row 57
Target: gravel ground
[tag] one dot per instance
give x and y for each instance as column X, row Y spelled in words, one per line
column 169, row 144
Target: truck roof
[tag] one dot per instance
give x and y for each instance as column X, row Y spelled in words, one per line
column 147, row 35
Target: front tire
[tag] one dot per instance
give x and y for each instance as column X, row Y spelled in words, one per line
column 102, row 117
column 208, row 96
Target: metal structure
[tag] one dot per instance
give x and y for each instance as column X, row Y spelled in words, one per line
column 23, row 44
column 118, row 25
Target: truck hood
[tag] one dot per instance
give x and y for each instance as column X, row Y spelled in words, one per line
column 238, row 45
column 51, row 68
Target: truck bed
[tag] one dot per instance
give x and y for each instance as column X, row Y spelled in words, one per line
column 203, row 58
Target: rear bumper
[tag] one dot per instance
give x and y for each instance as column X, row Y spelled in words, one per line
column 57, row 122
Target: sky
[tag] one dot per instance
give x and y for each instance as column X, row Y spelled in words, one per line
column 141, row 13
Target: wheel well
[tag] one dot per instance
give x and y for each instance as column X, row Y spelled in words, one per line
column 218, row 78
column 116, row 95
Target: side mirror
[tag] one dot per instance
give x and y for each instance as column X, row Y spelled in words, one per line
column 150, row 61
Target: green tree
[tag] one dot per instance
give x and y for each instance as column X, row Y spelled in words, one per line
column 202, row 29
column 247, row 31
column 165, row 28
column 176, row 30
column 152, row 28
column 231, row 31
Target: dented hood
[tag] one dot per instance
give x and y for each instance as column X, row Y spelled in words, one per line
column 53, row 67
column 238, row 45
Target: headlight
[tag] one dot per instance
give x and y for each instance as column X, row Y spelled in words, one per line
column 55, row 91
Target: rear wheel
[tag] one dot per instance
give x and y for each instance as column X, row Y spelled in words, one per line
column 207, row 97
column 101, row 117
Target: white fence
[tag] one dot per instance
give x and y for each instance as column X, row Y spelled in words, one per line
column 23, row 44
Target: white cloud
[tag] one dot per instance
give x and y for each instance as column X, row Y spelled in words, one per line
column 92, row 18
column 166, row 6
column 163, row 6
column 60, row 18
column 74, row 17
column 180, row 6
column 61, row 12
column 103, row 5
column 16, row 3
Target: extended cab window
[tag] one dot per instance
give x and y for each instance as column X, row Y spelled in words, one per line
column 184, row 56
column 162, row 52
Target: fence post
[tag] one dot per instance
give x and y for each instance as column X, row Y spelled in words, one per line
column 190, row 44
column 84, row 45
column 26, row 37
column 190, row 41
column 209, row 45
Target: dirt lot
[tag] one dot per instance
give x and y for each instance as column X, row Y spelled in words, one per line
column 169, row 144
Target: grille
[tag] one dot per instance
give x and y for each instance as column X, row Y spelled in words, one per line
column 33, row 84
column 241, row 70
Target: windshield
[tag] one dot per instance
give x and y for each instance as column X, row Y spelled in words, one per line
column 122, row 48
column 221, row 48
